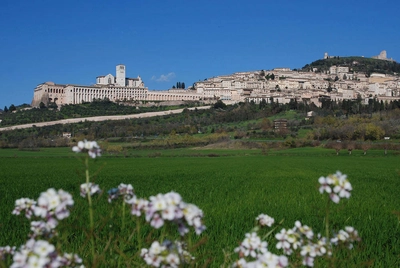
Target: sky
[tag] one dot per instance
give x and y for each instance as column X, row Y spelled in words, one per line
column 165, row 42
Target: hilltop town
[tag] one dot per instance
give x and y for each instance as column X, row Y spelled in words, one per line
column 280, row 85
column 283, row 84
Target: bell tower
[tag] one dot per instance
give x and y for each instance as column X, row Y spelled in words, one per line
column 120, row 75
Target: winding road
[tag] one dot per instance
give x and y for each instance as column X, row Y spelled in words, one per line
column 100, row 118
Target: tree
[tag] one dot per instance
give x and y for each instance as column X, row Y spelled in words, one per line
column 329, row 89
column 337, row 146
column 5, row 109
column 366, row 146
column 53, row 105
column 381, row 106
column 180, row 85
column 263, row 103
column 42, row 105
column 350, row 147
column 317, row 133
column 219, row 105
column 271, row 99
column 373, row 132
column 12, row 108
column 266, row 124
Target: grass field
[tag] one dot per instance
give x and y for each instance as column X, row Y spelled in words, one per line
column 231, row 189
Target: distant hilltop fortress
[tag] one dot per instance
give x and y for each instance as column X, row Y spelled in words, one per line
column 381, row 56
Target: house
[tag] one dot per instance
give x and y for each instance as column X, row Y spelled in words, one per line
column 67, row 135
column 280, row 124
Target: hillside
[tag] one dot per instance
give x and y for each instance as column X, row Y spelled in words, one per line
column 248, row 122
column 356, row 64
column 19, row 115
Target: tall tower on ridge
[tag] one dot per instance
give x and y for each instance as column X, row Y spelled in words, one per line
column 120, row 75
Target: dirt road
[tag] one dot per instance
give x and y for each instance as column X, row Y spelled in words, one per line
column 100, row 118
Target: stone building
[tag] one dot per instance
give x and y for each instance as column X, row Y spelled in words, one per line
column 115, row 88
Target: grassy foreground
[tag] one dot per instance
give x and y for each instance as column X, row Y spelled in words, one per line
column 231, row 189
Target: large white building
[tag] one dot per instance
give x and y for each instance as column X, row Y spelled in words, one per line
column 115, row 88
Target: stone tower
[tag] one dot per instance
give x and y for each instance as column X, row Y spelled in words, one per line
column 383, row 55
column 120, row 75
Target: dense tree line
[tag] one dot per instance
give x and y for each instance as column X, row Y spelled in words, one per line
column 351, row 107
column 358, row 127
column 180, row 85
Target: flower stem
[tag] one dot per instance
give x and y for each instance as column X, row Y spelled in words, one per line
column 139, row 238
column 327, row 220
column 330, row 261
column 122, row 246
column 90, row 208
column 123, row 213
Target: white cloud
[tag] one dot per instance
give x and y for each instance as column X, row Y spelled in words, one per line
column 163, row 77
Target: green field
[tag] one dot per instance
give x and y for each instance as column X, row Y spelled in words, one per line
column 231, row 187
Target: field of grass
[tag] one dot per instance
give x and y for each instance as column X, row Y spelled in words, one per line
column 231, row 189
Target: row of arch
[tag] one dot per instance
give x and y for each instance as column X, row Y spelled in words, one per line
column 110, row 91
column 83, row 97
column 170, row 97
column 89, row 94
column 56, row 90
